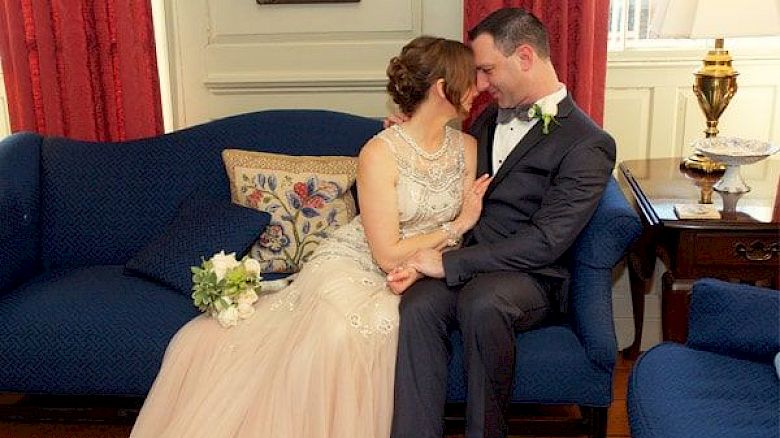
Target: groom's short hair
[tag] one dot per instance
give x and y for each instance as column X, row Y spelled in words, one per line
column 511, row 27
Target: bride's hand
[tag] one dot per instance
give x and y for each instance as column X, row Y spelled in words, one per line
column 400, row 278
column 472, row 204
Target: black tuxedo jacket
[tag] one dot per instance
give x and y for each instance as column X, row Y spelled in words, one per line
column 539, row 200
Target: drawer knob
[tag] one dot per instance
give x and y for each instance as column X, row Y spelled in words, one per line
column 756, row 252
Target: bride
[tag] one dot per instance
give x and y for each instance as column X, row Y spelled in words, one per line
column 318, row 357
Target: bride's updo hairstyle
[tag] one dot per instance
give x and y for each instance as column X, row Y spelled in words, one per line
column 424, row 61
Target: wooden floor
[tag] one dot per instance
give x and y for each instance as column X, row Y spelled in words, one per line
column 120, row 427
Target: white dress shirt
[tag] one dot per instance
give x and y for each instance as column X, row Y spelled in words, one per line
column 508, row 135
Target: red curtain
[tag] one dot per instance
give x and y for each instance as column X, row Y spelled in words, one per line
column 578, row 43
column 82, row 69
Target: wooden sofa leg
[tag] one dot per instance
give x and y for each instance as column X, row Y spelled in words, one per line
column 596, row 421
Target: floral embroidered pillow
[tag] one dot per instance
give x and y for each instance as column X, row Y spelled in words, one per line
column 308, row 198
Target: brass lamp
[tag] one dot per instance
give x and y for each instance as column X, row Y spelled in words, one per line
column 716, row 82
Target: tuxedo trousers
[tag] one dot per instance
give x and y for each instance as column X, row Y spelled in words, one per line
column 489, row 310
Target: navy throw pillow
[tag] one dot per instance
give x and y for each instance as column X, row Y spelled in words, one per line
column 200, row 228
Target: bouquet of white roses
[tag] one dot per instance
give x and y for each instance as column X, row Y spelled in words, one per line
column 226, row 288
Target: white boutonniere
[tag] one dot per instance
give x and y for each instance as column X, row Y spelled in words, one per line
column 545, row 110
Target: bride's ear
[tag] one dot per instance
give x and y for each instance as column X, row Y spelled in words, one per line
column 438, row 87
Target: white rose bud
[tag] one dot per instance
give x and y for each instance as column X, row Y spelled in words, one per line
column 228, row 317
column 245, row 310
column 549, row 107
column 223, row 262
column 247, row 297
column 252, row 266
column 532, row 112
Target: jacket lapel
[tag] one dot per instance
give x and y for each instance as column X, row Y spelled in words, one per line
column 527, row 143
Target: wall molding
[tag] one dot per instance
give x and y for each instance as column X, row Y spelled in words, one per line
column 225, row 84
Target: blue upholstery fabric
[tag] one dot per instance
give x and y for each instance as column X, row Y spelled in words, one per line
column 102, row 202
column 613, row 218
column 551, row 368
column 19, row 164
column 739, row 320
column 201, row 228
column 88, row 330
column 676, row 391
column 722, row 382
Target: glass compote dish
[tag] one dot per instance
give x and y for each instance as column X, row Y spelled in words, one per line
column 734, row 152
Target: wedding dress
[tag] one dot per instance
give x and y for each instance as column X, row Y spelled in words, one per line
column 317, row 359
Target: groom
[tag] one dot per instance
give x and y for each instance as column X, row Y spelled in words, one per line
column 511, row 273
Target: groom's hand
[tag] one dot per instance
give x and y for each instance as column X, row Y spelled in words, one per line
column 427, row 262
column 395, row 119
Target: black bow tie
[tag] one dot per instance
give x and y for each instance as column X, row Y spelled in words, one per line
column 520, row 112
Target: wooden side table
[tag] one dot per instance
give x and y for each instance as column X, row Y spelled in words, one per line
column 742, row 246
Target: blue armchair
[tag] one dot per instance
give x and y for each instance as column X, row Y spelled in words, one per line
column 722, row 382
column 72, row 213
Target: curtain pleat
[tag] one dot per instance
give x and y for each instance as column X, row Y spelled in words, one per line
column 84, row 69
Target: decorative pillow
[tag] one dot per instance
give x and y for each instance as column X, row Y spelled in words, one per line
column 308, row 198
column 200, row 228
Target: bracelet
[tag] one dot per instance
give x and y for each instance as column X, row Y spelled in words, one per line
column 453, row 239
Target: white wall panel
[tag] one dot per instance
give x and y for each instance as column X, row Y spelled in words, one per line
column 236, row 56
column 245, row 21
column 627, row 117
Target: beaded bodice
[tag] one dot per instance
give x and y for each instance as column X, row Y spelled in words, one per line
column 429, row 192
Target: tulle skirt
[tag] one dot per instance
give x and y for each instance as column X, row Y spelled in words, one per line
column 317, row 359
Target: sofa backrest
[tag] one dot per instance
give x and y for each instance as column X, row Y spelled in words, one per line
column 102, row 202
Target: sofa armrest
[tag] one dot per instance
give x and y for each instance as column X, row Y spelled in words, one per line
column 736, row 320
column 598, row 248
column 19, row 210
column 613, row 227
column 590, row 314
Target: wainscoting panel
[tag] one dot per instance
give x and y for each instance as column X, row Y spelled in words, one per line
column 627, row 111
column 233, row 56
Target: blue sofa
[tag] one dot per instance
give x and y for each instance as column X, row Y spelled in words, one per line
column 722, row 382
column 72, row 213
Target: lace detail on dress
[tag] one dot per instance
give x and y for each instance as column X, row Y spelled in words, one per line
column 430, row 184
column 430, row 188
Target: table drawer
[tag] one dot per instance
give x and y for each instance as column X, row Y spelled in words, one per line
column 738, row 249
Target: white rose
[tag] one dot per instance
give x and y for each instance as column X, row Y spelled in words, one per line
column 228, row 317
column 549, row 107
column 247, row 297
column 223, row 262
column 245, row 310
column 252, row 266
